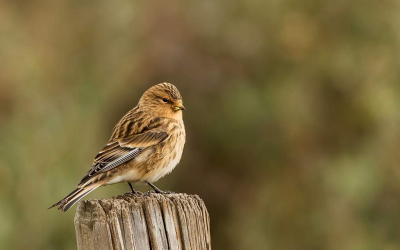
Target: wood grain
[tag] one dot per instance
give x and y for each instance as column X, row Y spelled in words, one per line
column 143, row 222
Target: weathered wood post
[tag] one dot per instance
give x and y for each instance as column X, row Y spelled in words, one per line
column 142, row 222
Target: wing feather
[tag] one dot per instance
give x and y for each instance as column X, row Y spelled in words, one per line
column 121, row 150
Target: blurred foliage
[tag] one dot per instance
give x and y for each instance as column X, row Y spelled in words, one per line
column 292, row 114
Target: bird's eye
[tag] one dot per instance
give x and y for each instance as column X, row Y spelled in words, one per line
column 165, row 100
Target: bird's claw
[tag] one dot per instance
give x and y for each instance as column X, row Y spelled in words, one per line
column 134, row 193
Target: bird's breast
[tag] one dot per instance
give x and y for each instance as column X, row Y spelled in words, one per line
column 171, row 155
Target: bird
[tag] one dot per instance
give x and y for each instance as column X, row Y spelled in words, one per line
column 145, row 145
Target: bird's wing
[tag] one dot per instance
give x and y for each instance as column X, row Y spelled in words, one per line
column 121, row 150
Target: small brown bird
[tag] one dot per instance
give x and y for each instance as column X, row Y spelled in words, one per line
column 145, row 145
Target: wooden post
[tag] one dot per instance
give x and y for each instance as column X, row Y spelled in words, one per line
column 143, row 222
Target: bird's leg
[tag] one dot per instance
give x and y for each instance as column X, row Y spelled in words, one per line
column 155, row 188
column 133, row 190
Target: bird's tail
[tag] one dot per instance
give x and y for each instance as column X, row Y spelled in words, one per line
column 75, row 196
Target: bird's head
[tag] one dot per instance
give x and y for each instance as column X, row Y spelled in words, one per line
column 163, row 100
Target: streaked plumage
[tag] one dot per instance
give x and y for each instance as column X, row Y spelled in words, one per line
column 145, row 145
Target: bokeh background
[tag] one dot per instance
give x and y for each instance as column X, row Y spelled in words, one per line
column 292, row 117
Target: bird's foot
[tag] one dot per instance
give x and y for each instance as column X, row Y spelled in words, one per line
column 157, row 190
column 134, row 193
column 137, row 193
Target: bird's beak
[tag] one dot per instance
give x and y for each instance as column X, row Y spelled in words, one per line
column 178, row 106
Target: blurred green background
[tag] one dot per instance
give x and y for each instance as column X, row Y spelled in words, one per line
column 292, row 117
